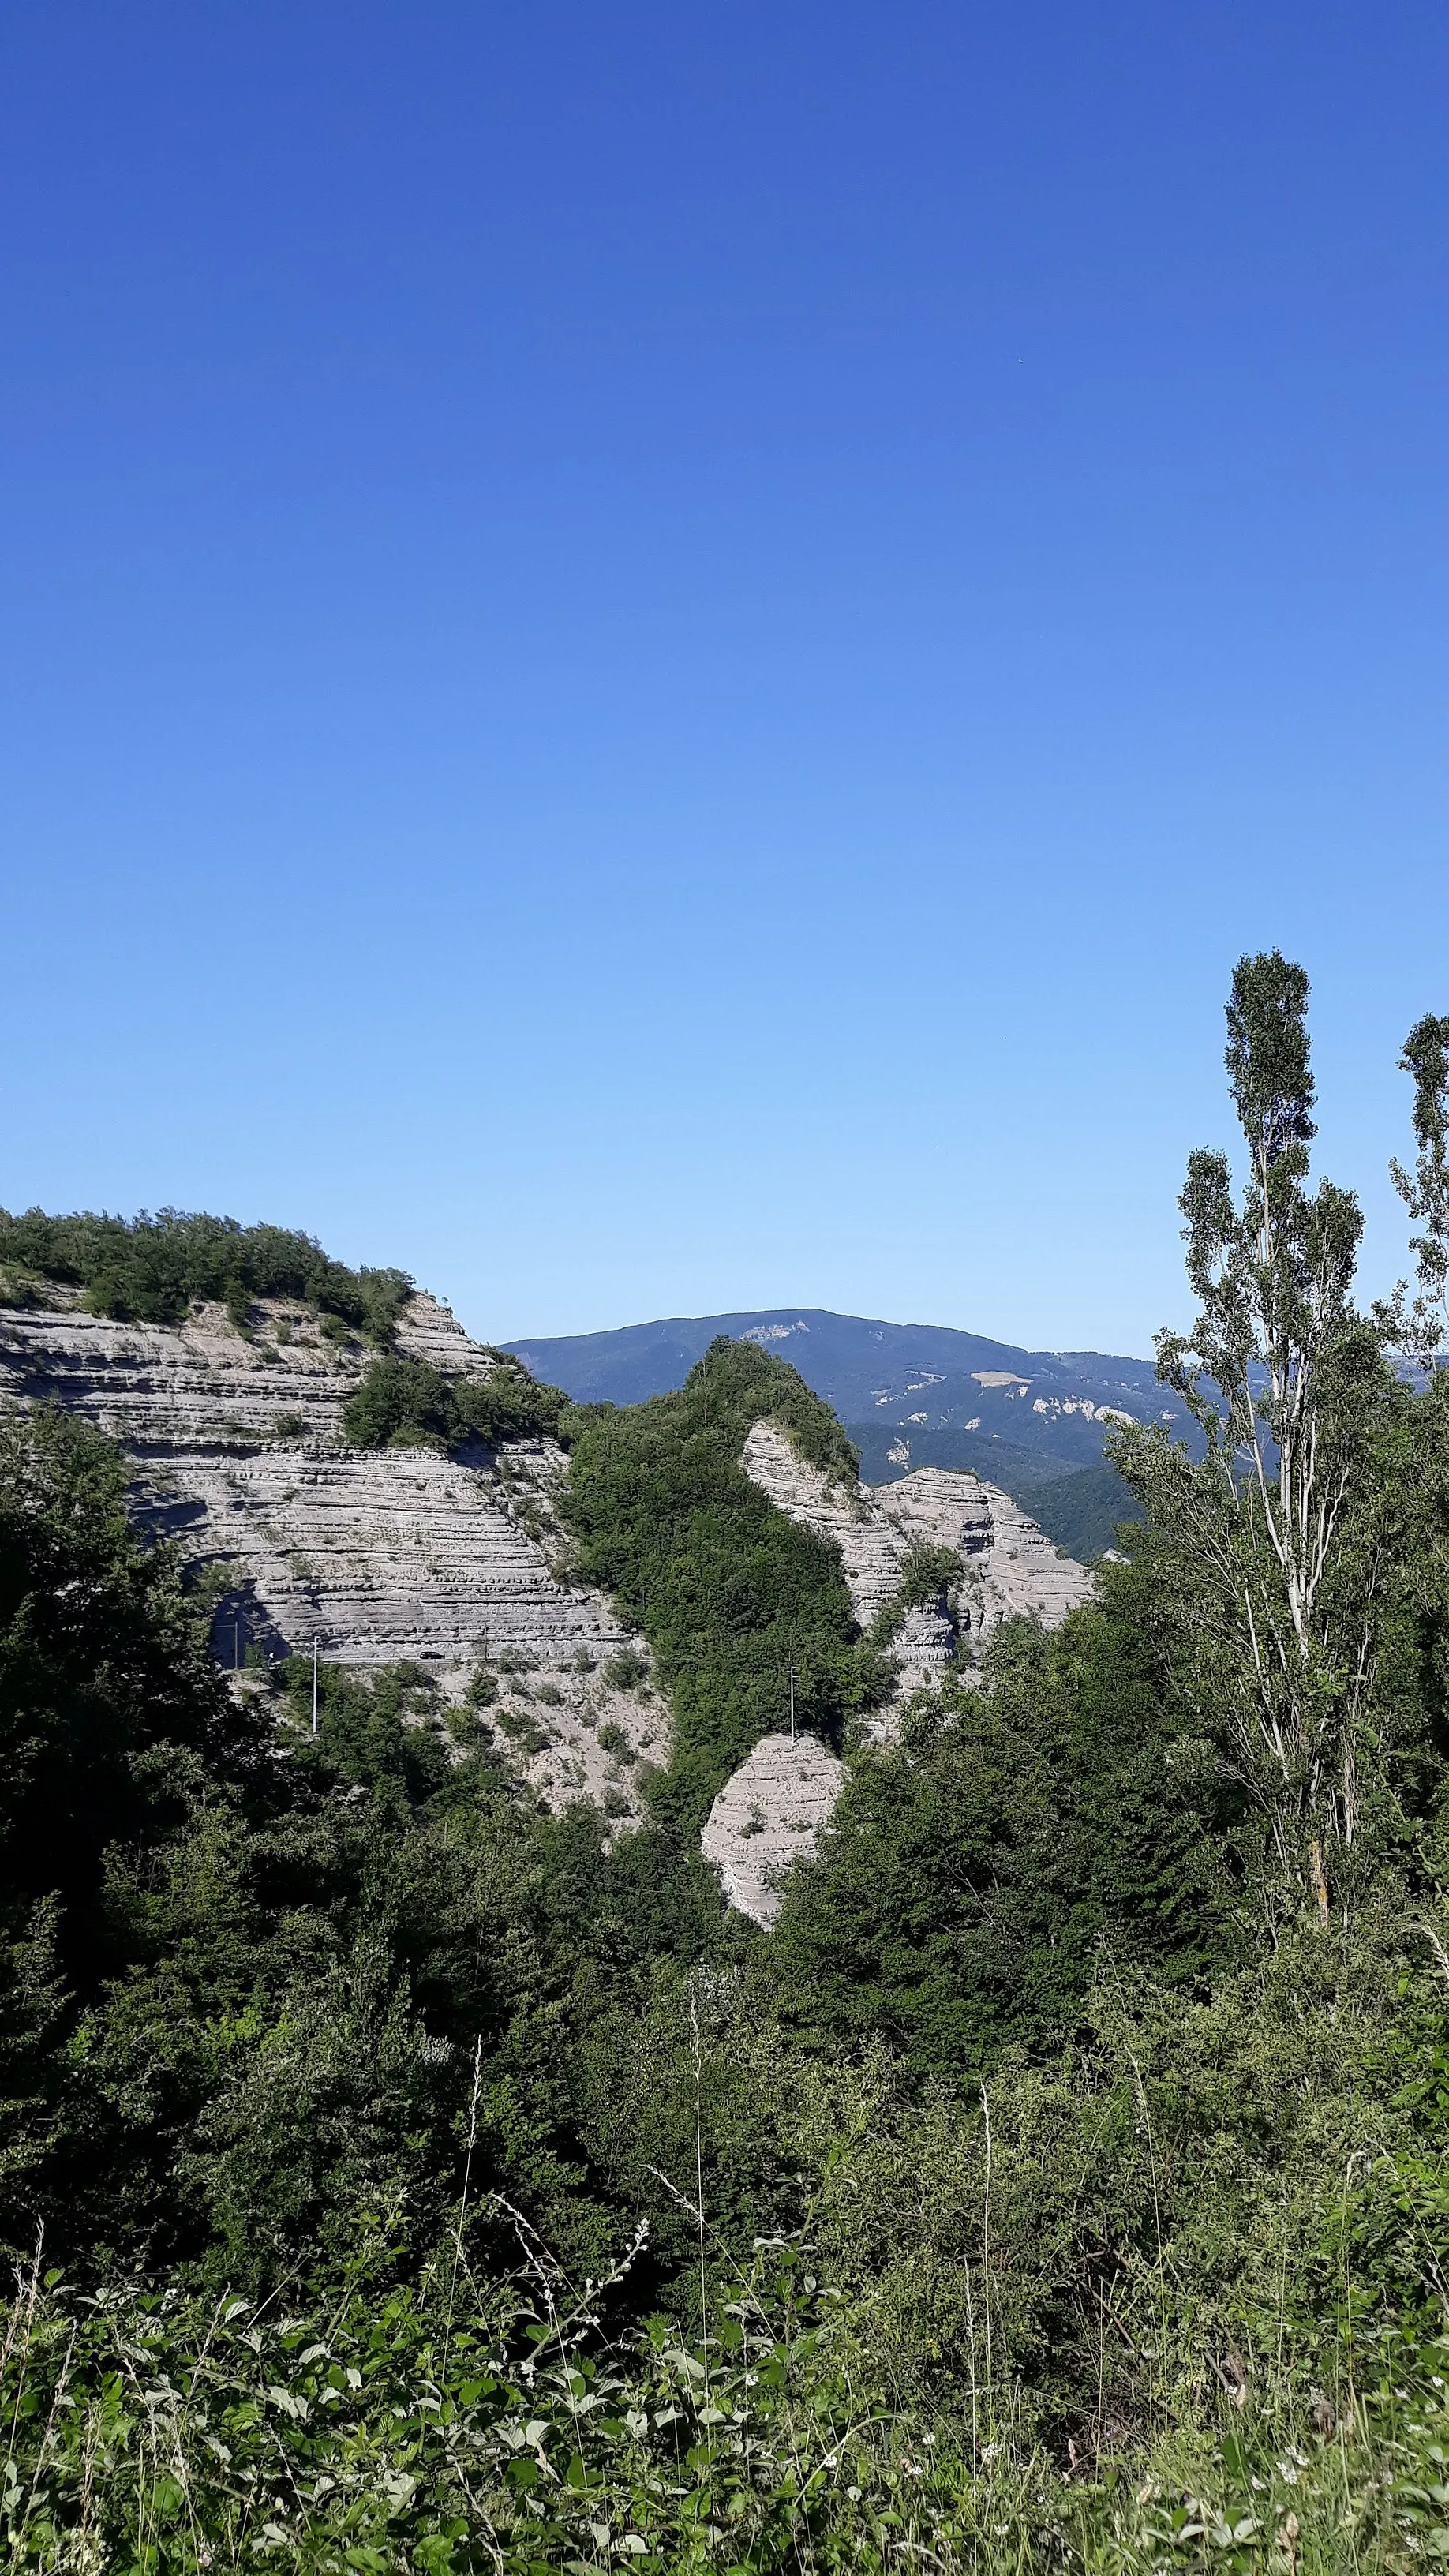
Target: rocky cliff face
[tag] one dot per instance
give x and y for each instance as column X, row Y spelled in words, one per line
column 770, row 1812
column 767, row 1816
column 1008, row 1565
column 236, row 1450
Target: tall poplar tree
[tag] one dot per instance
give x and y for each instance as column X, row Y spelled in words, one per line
column 1279, row 1539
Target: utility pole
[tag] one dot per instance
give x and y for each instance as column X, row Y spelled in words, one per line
column 792, row 1703
column 314, row 1685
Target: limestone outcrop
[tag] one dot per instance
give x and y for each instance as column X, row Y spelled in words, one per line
column 237, row 1452
column 842, row 1512
column 1008, row 1565
column 769, row 1813
column 767, row 1816
column 1011, row 1566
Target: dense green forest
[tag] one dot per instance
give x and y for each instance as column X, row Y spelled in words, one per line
column 397, row 2176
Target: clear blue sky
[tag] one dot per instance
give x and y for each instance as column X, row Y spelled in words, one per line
column 654, row 657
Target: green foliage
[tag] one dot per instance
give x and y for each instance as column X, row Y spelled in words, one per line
column 1083, row 1512
column 244, row 1970
column 970, row 1874
column 113, row 1718
column 1052, row 2188
column 149, row 1268
column 371, row 1728
column 1422, row 1329
column 410, row 1403
column 729, row 1592
column 394, row 2432
column 505, row 2428
column 1289, row 1537
column 928, row 1574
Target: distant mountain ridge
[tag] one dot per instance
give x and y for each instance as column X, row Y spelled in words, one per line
column 1045, row 1412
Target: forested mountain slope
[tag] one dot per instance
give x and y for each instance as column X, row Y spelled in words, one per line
column 402, row 2174
column 1042, row 1412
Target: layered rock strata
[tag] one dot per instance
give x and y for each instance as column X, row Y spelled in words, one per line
column 767, row 1816
column 1008, row 1565
column 844, row 1513
column 383, row 1556
column 1011, row 1567
column 770, row 1812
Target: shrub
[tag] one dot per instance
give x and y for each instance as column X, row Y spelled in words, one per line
column 523, row 1729
column 398, row 1395
column 382, row 2428
column 927, row 1575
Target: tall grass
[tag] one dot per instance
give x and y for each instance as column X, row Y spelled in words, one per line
column 147, row 2433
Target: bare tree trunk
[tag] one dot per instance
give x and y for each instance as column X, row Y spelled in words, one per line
column 1320, row 1882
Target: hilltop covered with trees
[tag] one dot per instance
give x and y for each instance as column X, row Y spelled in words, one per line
column 427, row 2182
column 148, row 1269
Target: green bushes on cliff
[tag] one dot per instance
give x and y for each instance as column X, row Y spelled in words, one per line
column 408, row 1400
column 928, row 1574
column 149, row 1268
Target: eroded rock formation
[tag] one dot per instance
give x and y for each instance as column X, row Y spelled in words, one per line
column 1008, row 1565
column 237, row 1451
column 770, row 1812
column 767, row 1816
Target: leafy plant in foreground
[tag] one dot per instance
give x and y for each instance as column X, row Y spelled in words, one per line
column 152, row 2436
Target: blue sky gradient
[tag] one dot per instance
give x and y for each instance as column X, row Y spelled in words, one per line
column 655, row 659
